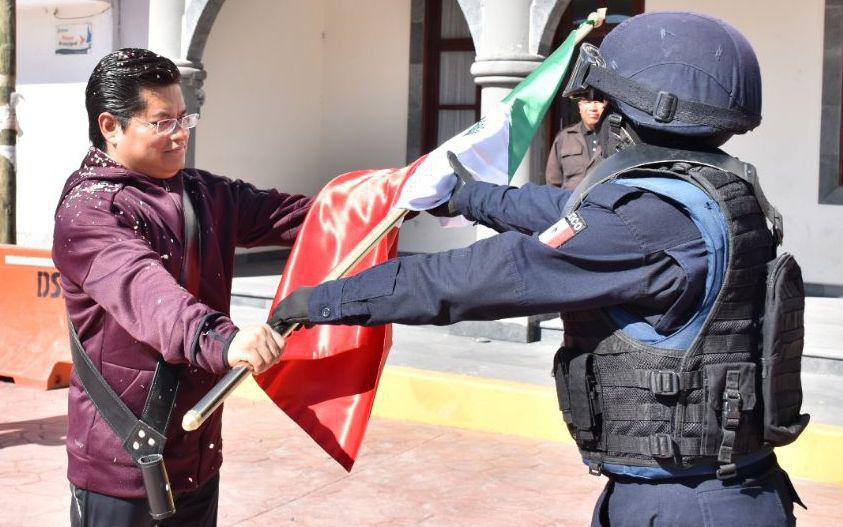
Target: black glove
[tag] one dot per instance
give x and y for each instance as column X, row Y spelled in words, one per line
column 449, row 209
column 292, row 310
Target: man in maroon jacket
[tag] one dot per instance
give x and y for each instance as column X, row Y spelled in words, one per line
column 120, row 244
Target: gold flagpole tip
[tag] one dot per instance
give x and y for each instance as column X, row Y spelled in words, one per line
column 598, row 17
column 191, row 421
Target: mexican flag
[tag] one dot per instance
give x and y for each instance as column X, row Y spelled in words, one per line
column 492, row 148
column 328, row 376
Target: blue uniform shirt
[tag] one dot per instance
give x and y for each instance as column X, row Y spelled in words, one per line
column 628, row 255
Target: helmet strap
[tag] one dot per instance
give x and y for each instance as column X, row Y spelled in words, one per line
column 615, row 134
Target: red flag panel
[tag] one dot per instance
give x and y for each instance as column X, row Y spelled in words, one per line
column 328, row 375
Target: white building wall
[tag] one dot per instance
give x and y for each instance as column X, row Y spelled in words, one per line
column 365, row 84
column 320, row 88
column 262, row 118
column 298, row 92
column 788, row 39
column 52, row 113
column 317, row 89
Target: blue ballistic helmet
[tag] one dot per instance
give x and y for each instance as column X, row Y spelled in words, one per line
column 680, row 73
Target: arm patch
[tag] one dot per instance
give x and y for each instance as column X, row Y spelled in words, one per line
column 563, row 230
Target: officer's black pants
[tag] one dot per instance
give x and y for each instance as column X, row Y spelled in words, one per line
column 194, row 509
column 763, row 496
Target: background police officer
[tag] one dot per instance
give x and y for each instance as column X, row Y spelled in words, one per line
column 657, row 262
column 575, row 146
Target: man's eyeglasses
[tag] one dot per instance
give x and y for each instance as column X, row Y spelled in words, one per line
column 168, row 126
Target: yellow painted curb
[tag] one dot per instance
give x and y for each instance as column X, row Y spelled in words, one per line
column 527, row 410
column 816, row 454
column 475, row 403
column 250, row 390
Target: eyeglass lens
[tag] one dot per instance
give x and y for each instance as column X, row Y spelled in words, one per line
column 168, row 126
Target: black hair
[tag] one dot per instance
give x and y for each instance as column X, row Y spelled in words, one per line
column 115, row 83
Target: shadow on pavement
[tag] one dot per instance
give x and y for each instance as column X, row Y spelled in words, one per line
column 48, row 431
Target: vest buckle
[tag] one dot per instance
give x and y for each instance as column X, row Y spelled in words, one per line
column 726, row 472
column 661, row 445
column 664, row 382
column 731, row 409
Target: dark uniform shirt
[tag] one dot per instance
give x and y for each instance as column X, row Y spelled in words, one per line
column 570, row 156
column 623, row 257
column 590, row 140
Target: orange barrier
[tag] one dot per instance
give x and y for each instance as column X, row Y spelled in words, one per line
column 34, row 345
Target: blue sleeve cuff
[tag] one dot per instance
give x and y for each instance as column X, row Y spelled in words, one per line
column 468, row 194
column 325, row 302
column 348, row 300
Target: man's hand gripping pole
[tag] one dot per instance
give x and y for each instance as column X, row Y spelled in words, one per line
column 197, row 415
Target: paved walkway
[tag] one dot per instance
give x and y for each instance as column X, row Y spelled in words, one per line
column 407, row 474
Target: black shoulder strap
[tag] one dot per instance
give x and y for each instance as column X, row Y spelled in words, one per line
column 641, row 155
column 146, row 435
column 192, row 240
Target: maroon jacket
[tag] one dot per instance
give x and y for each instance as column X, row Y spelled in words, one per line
column 118, row 244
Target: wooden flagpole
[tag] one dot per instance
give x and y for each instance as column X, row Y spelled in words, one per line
column 197, row 415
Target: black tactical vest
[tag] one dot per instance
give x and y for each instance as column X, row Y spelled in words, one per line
column 736, row 389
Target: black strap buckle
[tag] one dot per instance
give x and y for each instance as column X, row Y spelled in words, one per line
column 727, row 471
column 585, row 437
column 661, row 445
column 143, row 441
column 665, row 107
column 731, row 409
column 664, row 382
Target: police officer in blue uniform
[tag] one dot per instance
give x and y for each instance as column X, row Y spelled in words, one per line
column 679, row 370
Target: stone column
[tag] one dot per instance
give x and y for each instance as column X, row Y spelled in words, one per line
column 193, row 76
column 511, row 38
column 166, row 20
column 166, row 37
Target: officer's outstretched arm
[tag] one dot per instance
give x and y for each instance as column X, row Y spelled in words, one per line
column 504, row 276
column 528, row 209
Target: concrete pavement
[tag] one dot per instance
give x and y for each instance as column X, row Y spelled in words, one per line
column 438, row 378
column 412, row 470
column 407, row 474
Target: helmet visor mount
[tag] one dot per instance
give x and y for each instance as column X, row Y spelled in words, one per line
column 589, row 56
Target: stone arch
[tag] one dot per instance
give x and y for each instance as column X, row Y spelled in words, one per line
column 199, row 19
column 545, row 16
